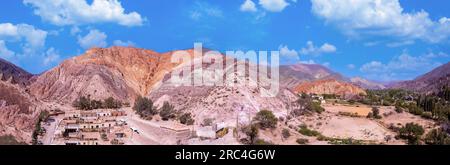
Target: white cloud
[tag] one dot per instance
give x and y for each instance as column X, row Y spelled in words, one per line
column 308, row 62
column 311, row 49
column 30, row 39
column 123, row 43
column 370, row 44
column 400, row 44
column 381, row 17
column 274, row 5
column 248, row 6
column 203, row 9
column 351, row 66
column 94, row 38
column 266, row 5
column 288, row 54
column 402, row 67
column 5, row 53
column 51, row 56
column 78, row 12
column 75, row 30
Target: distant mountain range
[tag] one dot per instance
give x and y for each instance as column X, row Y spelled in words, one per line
column 428, row 83
column 125, row 73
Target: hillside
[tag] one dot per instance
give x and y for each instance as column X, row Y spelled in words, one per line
column 428, row 83
column 119, row 72
column 18, row 110
column 292, row 75
column 330, row 86
column 366, row 84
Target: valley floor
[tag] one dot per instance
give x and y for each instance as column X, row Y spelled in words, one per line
column 338, row 123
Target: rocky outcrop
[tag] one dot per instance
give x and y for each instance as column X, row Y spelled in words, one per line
column 330, row 86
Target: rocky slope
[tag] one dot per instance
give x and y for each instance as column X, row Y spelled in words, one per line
column 428, row 83
column 120, row 72
column 13, row 74
column 18, row 110
column 330, row 86
column 292, row 75
column 228, row 104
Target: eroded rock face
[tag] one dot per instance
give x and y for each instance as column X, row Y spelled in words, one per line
column 330, row 86
column 222, row 103
column 120, row 72
column 17, row 108
column 18, row 112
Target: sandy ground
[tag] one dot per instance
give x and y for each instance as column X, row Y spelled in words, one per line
column 356, row 128
column 361, row 110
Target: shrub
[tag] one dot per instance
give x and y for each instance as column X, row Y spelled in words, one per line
column 252, row 133
column 315, row 107
column 437, row 137
column 375, row 113
column 398, row 109
column 427, row 115
column 302, row 141
column 286, row 133
column 412, row 132
column 186, row 119
column 208, row 122
column 307, row 132
column 144, row 107
column 262, row 142
column 167, row 111
column 266, row 119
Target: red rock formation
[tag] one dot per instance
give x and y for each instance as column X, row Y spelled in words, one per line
column 329, row 86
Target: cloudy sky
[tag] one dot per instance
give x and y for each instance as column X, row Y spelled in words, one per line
column 382, row 40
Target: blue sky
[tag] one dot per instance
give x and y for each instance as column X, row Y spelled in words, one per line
column 383, row 40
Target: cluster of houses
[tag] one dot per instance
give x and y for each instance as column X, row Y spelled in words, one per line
column 95, row 127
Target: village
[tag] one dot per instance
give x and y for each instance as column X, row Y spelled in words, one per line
column 120, row 127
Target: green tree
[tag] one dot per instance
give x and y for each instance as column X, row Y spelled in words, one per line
column 82, row 103
column 375, row 113
column 252, row 132
column 412, row 132
column 167, row 111
column 96, row 104
column 437, row 137
column 266, row 119
column 144, row 107
column 111, row 103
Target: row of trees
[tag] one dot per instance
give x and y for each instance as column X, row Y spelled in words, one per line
column 435, row 106
column 86, row 103
column 146, row 109
column 413, row 133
